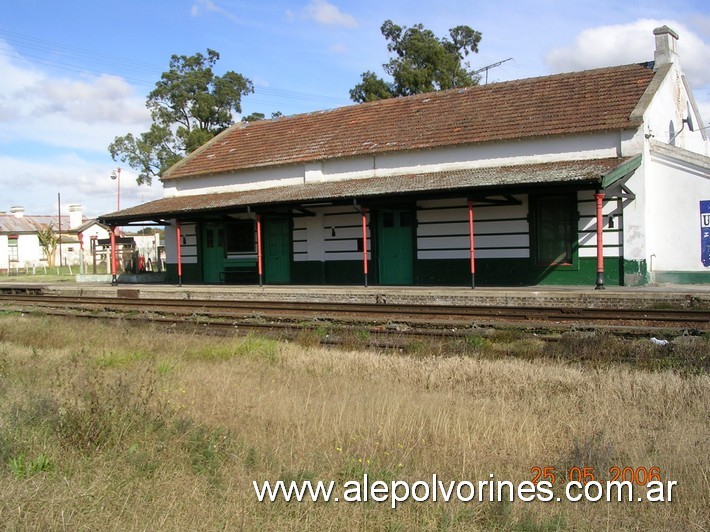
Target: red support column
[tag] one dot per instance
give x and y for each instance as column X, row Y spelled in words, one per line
column 364, row 244
column 600, row 241
column 471, row 245
column 114, row 280
column 259, row 256
column 178, row 236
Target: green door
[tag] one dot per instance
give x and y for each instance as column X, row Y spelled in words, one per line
column 212, row 252
column 277, row 250
column 395, row 245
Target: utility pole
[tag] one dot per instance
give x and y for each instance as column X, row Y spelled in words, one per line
column 59, row 220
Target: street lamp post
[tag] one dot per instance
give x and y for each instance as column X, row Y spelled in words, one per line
column 116, row 175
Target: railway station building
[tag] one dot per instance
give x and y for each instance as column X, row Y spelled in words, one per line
column 598, row 178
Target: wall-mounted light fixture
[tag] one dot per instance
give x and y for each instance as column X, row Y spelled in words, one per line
column 611, row 221
column 332, row 231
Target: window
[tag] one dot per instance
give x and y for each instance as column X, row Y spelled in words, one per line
column 555, row 229
column 239, row 237
column 12, row 249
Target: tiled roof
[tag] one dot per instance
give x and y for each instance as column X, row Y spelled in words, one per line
column 592, row 100
column 480, row 178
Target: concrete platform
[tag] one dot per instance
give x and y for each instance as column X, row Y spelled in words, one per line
column 648, row 297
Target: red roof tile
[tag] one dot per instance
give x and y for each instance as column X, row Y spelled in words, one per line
column 592, row 100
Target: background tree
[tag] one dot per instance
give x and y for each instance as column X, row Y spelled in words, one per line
column 189, row 106
column 256, row 116
column 48, row 241
column 422, row 62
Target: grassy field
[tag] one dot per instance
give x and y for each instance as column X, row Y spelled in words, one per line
column 113, row 427
column 40, row 275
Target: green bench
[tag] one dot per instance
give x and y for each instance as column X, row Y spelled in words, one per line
column 240, row 274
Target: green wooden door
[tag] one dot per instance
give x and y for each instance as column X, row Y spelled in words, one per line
column 212, row 252
column 395, row 245
column 277, row 251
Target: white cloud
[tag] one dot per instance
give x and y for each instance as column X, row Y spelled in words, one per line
column 77, row 113
column 631, row 43
column 35, row 183
column 54, row 135
column 328, row 14
column 210, row 7
column 338, row 49
column 105, row 99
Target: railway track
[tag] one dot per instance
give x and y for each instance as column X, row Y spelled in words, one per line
column 422, row 316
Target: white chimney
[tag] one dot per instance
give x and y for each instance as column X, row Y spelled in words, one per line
column 75, row 216
column 17, row 212
column 666, row 46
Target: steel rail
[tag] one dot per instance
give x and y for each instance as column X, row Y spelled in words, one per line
column 369, row 311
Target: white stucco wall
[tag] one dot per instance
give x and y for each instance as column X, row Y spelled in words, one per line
column 662, row 224
column 674, row 192
column 664, row 118
column 529, row 151
column 29, row 252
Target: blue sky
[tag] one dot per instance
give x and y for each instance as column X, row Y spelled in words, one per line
column 75, row 74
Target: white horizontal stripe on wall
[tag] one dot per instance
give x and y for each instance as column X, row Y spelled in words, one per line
column 609, row 251
column 480, row 254
column 480, row 227
column 482, row 241
column 590, row 239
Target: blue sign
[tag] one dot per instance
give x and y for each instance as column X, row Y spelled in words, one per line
column 705, row 232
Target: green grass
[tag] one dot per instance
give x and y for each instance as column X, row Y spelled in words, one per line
column 23, row 467
column 41, row 275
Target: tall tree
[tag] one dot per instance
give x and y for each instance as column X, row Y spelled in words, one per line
column 189, row 106
column 422, row 62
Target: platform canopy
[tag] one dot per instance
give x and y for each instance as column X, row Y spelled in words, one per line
column 492, row 180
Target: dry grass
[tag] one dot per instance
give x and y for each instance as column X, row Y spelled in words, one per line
column 122, row 427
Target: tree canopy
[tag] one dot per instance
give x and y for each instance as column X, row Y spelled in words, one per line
column 422, row 63
column 189, row 106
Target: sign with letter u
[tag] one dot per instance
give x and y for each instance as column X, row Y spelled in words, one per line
column 705, row 233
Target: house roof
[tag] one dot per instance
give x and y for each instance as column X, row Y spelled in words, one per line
column 28, row 224
column 588, row 101
column 87, row 224
column 561, row 172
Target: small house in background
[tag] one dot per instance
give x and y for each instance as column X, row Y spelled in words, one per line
column 598, row 177
column 20, row 247
column 78, row 239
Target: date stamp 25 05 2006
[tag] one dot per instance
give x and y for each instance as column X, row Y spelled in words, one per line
column 585, row 483
column 639, row 475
